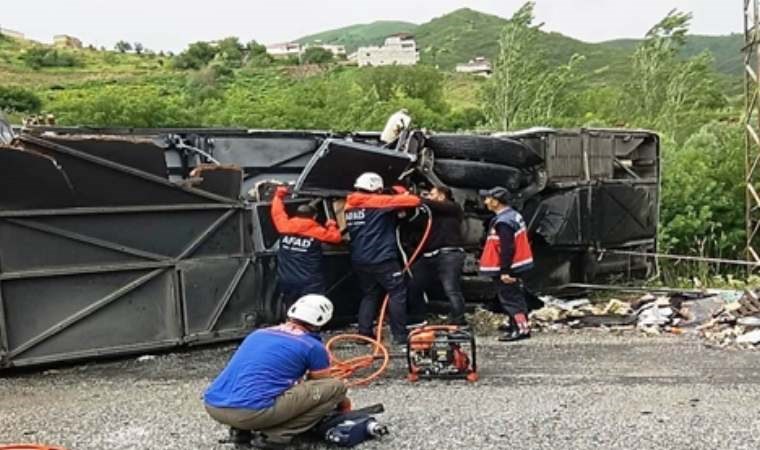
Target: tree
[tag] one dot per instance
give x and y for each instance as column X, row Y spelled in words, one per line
column 316, row 55
column 138, row 47
column 196, row 56
column 123, row 46
column 702, row 193
column 418, row 82
column 663, row 90
column 231, row 51
column 257, row 54
column 524, row 90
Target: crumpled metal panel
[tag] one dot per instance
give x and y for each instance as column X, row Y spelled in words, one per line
column 335, row 167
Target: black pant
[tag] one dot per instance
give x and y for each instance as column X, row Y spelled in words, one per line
column 375, row 280
column 292, row 290
column 512, row 297
column 443, row 267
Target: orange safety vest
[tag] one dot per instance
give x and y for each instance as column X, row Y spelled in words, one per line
column 522, row 260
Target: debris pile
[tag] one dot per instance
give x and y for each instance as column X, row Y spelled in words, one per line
column 712, row 314
column 723, row 318
column 736, row 323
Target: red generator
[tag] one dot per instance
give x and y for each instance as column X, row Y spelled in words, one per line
column 441, row 352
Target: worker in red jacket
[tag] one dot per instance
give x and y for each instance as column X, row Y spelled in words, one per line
column 371, row 221
column 507, row 256
column 299, row 258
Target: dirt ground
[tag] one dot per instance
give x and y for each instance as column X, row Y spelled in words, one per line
column 577, row 390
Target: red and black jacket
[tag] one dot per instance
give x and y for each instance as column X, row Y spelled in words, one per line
column 299, row 260
column 371, row 223
column 507, row 249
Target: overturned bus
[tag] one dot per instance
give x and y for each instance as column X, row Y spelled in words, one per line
column 117, row 241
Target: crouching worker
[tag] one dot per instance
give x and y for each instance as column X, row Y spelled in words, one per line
column 262, row 389
column 506, row 257
column 299, row 258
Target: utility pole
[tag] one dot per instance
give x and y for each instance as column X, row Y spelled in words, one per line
column 752, row 126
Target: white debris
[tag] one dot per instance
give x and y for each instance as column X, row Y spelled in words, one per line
column 753, row 337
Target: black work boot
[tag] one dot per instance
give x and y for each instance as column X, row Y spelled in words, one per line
column 261, row 442
column 240, row 439
column 511, row 336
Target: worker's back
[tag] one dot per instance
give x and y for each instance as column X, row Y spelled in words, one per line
column 267, row 363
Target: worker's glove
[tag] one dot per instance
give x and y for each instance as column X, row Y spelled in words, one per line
column 281, row 191
column 399, row 189
column 330, row 223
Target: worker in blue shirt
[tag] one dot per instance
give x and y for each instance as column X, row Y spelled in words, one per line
column 278, row 382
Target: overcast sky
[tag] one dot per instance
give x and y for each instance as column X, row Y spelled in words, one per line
column 172, row 24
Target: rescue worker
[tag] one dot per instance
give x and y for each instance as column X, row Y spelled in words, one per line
column 442, row 256
column 371, row 221
column 299, row 259
column 506, row 257
column 263, row 389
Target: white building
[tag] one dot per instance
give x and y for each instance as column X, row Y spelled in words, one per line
column 284, row 50
column 479, row 66
column 336, row 50
column 398, row 49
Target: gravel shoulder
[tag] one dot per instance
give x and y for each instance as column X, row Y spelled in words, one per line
column 574, row 390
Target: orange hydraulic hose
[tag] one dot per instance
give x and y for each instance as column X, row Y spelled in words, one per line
column 346, row 368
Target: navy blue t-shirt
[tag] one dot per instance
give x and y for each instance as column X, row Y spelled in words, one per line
column 268, row 363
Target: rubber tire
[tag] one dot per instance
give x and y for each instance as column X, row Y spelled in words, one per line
column 483, row 148
column 479, row 175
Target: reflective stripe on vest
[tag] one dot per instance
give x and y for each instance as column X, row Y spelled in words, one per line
column 490, row 260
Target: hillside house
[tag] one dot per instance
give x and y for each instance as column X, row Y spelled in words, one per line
column 398, row 49
column 479, row 66
column 338, row 51
column 66, row 41
column 284, row 50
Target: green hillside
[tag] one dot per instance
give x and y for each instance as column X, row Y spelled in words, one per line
column 356, row 36
column 725, row 49
column 464, row 34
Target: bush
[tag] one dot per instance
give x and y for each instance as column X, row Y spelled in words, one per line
column 122, row 105
column 316, row 55
column 196, row 56
column 38, row 57
column 703, row 194
column 15, row 99
column 420, row 82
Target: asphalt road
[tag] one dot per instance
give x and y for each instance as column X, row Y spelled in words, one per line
column 556, row 391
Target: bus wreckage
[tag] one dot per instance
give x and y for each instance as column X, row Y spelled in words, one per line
column 116, row 241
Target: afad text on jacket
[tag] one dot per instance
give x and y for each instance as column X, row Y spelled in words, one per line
column 371, row 221
column 299, row 260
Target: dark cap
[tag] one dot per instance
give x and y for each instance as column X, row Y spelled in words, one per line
column 499, row 193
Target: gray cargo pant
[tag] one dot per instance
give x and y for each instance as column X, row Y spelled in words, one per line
column 294, row 412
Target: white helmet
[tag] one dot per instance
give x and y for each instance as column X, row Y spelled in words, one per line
column 369, row 181
column 312, row 309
